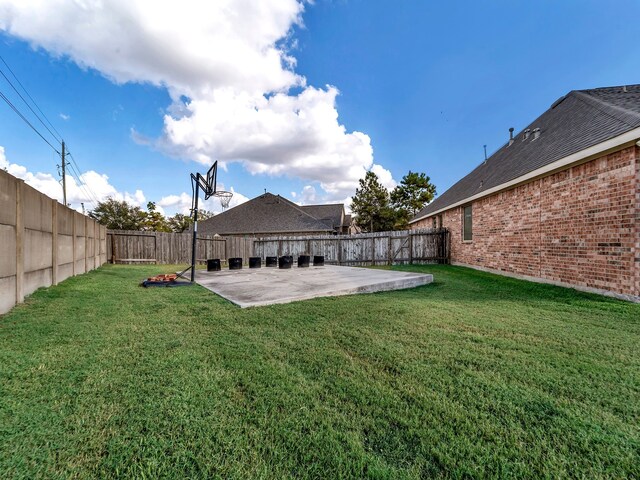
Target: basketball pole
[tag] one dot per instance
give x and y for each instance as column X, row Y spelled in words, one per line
column 195, row 234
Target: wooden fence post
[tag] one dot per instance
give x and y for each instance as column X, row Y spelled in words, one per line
column 373, row 249
column 410, row 248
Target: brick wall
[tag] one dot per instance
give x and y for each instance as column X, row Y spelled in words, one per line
column 580, row 226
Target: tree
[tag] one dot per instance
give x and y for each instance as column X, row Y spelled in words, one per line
column 180, row 223
column 118, row 215
column 204, row 215
column 154, row 221
column 413, row 193
column 371, row 205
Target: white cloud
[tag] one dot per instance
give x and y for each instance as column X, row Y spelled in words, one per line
column 308, row 196
column 95, row 187
column 89, row 189
column 236, row 96
column 65, row 117
column 182, row 203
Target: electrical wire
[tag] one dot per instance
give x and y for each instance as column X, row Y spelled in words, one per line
column 78, row 170
column 19, row 113
column 59, row 137
column 91, row 197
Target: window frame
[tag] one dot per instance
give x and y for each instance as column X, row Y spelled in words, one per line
column 464, row 223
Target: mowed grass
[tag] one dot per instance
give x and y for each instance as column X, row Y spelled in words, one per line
column 473, row 376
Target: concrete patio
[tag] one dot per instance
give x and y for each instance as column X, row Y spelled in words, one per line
column 268, row 286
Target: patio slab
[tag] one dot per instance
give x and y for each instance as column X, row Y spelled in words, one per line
column 267, row 286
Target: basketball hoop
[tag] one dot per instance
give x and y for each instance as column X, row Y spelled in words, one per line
column 225, row 198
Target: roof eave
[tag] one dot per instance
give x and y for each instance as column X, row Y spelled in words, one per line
column 603, row 148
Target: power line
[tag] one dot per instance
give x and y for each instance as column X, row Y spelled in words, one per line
column 19, row 113
column 81, row 186
column 59, row 137
column 84, row 187
column 77, row 169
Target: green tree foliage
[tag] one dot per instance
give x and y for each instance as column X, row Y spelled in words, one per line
column 180, row 223
column 154, row 220
column 372, row 205
column 414, row 192
column 118, row 215
column 204, row 215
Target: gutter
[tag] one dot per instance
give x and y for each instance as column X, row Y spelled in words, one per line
column 616, row 143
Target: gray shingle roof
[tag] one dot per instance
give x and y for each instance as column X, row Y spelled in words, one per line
column 267, row 213
column 331, row 214
column 579, row 120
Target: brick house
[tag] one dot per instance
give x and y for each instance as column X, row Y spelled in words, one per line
column 272, row 215
column 559, row 202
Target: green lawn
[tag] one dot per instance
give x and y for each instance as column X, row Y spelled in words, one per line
column 473, row 376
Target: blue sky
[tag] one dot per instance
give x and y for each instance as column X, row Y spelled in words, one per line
column 426, row 85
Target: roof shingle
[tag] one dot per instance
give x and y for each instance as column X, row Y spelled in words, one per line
column 265, row 214
column 579, row 120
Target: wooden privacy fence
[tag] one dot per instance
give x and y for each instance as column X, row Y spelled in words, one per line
column 129, row 246
column 382, row 248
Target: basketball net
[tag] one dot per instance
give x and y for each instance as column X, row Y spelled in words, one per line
column 225, row 198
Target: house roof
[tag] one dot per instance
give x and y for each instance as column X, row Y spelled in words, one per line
column 267, row 213
column 575, row 122
column 332, row 214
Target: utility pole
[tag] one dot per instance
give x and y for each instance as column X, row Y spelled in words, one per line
column 64, row 176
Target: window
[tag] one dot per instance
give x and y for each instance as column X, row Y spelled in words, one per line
column 435, row 222
column 467, row 224
column 439, row 221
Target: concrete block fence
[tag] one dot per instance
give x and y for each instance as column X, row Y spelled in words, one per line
column 42, row 242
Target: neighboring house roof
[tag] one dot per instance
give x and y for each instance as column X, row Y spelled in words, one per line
column 331, row 214
column 575, row 122
column 267, row 213
column 347, row 221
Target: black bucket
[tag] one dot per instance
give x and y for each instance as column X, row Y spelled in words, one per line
column 213, row 265
column 235, row 263
column 318, row 260
column 285, row 261
column 271, row 262
column 255, row 262
column 303, row 260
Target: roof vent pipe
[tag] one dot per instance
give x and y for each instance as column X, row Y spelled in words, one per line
column 526, row 135
column 510, row 136
column 536, row 134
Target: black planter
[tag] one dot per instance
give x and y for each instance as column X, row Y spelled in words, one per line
column 213, row 265
column 235, row 263
column 303, row 260
column 255, row 262
column 285, row 261
column 318, row 260
column 271, row 262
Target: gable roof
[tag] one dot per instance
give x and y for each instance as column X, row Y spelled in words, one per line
column 575, row 122
column 267, row 213
column 332, row 214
